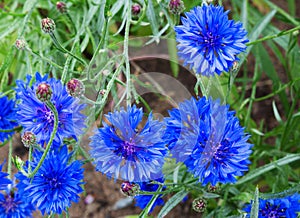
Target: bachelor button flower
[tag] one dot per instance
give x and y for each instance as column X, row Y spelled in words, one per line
column 208, row 41
column 143, row 200
column 209, row 140
column 56, row 184
column 120, row 149
column 7, row 118
column 276, row 208
column 15, row 205
column 37, row 118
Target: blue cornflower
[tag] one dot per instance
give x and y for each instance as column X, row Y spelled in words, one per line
column 209, row 140
column 4, row 182
column 7, row 118
column 56, row 184
column 13, row 204
column 275, row 208
column 120, row 149
column 37, row 118
column 208, row 41
column 143, row 200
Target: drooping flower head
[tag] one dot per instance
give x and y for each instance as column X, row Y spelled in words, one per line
column 208, row 138
column 56, row 184
column 143, row 200
column 122, row 150
column 7, row 118
column 14, row 204
column 276, row 208
column 208, row 42
column 35, row 116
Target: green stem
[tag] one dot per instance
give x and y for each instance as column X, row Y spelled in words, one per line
column 62, row 49
column 282, row 33
column 100, row 45
column 72, row 23
column 125, row 53
column 9, row 159
column 55, row 127
column 22, row 29
column 30, row 158
column 11, row 130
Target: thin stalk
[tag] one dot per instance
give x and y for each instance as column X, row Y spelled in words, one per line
column 100, row 45
column 26, row 19
column 30, row 158
column 282, row 33
column 11, row 130
column 62, row 49
column 125, row 53
column 9, row 158
column 53, row 109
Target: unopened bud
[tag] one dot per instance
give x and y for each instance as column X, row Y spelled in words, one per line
column 213, row 189
column 61, row 7
column 135, row 9
column 176, row 6
column 20, row 44
column 199, row 205
column 102, row 92
column 28, row 139
column 129, row 189
column 75, row 88
column 48, row 25
column 44, row 92
column 19, row 163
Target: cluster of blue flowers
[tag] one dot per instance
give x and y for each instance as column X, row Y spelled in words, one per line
column 58, row 179
column 201, row 133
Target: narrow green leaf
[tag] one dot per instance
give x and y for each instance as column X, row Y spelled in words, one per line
column 276, row 113
column 172, row 202
column 268, row 167
column 152, row 18
column 255, row 205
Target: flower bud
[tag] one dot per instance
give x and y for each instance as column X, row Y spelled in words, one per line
column 213, row 189
column 199, row 205
column 75, row 88
column 61, row 7
column 48, row 25
column 176, row 6
column 18, row 162
column 129, row 189
column 28, row 139
column 20, row 44
column 135, row 9
column 102, row 92
column 43, row 92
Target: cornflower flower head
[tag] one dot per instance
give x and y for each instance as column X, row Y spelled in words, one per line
column 122, row 150
column 56, row 184
column 143, row 200
column 7, row 118
column 35, row 116
column 278, row 207
column 208, row 42
column 13, row 204
column 209, row 140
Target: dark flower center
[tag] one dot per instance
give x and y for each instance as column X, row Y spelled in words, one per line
column 210, row 39
column 272, row 211
column 52, row 182
column 9, row 204
column 128, row 148
column 49, row 116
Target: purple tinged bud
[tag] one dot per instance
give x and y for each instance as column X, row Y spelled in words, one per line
column 61, row 7
column 20, row 44
column 43, row 92
column 199, row 205
column 176, row 6
column 48, row 25
column 28, row 139
column 75, row 88
column 129, row 189
column 135, row 9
